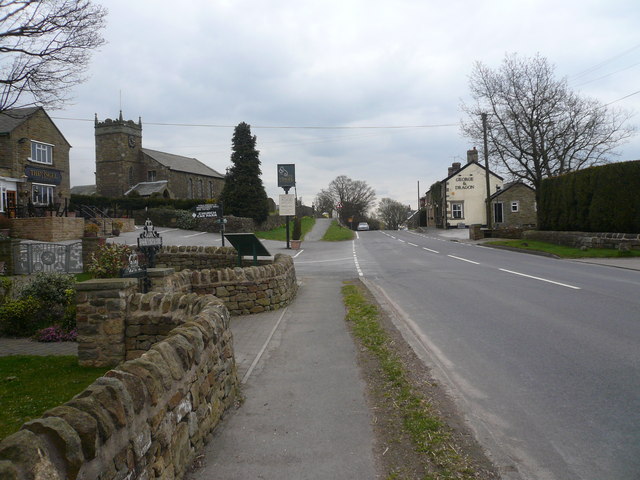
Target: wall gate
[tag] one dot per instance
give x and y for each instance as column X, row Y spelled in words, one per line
column 33, row 257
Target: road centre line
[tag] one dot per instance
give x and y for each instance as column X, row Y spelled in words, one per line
column 429, row 250
column 400, row 240
column 355, row 259
column 412, row 244
column 463, row 259
column 541, row 279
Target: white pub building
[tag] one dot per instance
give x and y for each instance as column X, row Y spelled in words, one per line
column 465, row 192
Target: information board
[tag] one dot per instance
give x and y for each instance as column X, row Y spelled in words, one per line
column 287, row 205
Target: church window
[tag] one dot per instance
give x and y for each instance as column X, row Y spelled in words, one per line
column 151, row 176
column 190, row 189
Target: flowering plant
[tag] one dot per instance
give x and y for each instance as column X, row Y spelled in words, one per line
column 108, row 260
column 56, row 334
column 91, row 228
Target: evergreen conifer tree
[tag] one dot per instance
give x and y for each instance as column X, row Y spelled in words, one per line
column 243, row 193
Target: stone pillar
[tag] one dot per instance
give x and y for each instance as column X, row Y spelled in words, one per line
column 159, row 278
column 101, row 320
column 7, row 247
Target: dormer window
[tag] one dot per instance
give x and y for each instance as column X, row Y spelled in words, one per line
column 41, row 153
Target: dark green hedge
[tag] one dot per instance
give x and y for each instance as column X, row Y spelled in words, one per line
column 596, row 199
column 133, row 202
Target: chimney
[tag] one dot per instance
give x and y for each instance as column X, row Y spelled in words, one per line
column 472, row 155
column 455, row 166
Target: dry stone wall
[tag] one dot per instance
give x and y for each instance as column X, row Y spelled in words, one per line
column 586, row 239
column 243, row 290
column 146, row 418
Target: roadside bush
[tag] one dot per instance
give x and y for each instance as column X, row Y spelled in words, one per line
column 108, row 260
column 56, row 334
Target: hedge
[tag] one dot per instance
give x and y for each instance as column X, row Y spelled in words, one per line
column 596, row 199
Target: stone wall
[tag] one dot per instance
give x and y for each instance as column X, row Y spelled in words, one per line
column 196, row 258
column 586, row 239
column 243, row 290
column 145, row 419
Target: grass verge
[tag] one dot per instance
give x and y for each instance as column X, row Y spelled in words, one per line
column 563, row 251
column 280, row 233
column 31, row 385
column 429, row 434
column 337, row 233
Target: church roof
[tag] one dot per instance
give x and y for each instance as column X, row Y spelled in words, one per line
column 182, row 164
column 83, row 190
column 146, row 189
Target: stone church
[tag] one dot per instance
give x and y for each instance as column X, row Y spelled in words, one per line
column 123, row 166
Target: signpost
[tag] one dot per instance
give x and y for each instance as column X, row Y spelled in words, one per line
column 149, row 243
column 286, row 180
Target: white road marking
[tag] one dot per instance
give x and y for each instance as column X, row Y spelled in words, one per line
column 355, row 259
column 463, row 259
column 325, row 261
column 412, row 244
column 194, row 235
column 264, row 347
column 429, row 250
column 296, row 255
column 541, row 279
column 401, row 240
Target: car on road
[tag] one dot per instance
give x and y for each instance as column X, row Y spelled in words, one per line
column 363, row 226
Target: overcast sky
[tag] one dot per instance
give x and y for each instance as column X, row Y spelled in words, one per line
column 194, row 69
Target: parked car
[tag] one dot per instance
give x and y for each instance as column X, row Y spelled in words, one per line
column 363, row 226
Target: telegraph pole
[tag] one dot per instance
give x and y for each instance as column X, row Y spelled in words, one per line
column 486, row 165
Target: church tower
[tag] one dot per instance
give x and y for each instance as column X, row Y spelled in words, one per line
column 118, row 153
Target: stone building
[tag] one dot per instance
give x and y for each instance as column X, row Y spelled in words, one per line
column 34, row 163
column 514, row 206
column 123, row 166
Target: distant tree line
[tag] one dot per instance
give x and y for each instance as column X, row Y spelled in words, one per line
column 596, row 199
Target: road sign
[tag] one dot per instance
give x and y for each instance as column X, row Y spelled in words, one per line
column 207, row 210
column 287, row 205
column 286, row 175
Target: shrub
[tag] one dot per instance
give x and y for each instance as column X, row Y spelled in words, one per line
column 185, row 220
column 117, row 225
column 50, row 288
column 108, row 260
column 91, row 229
column 21, row 317
column 297, row 229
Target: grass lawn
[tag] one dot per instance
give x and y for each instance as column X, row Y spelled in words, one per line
column 564, row 252
column 31, row 385
column 336, row 233
column 280, row 233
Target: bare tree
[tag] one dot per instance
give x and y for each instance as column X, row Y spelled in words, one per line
column 354, row 196
column 392, row 213
column 325, row 203
column 45, row 46
column 537, row 127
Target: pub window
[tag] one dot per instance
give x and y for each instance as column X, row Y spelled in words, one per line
column 42, row 194
column 151, row 175
column 41, row 153
column 515, row 206
column 456, row 209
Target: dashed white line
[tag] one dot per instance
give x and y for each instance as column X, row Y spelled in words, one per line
column 463, row 259
column 355, row 259
column 429, row 250
column 541, row 279
column 400, row 240
column 412, row 244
